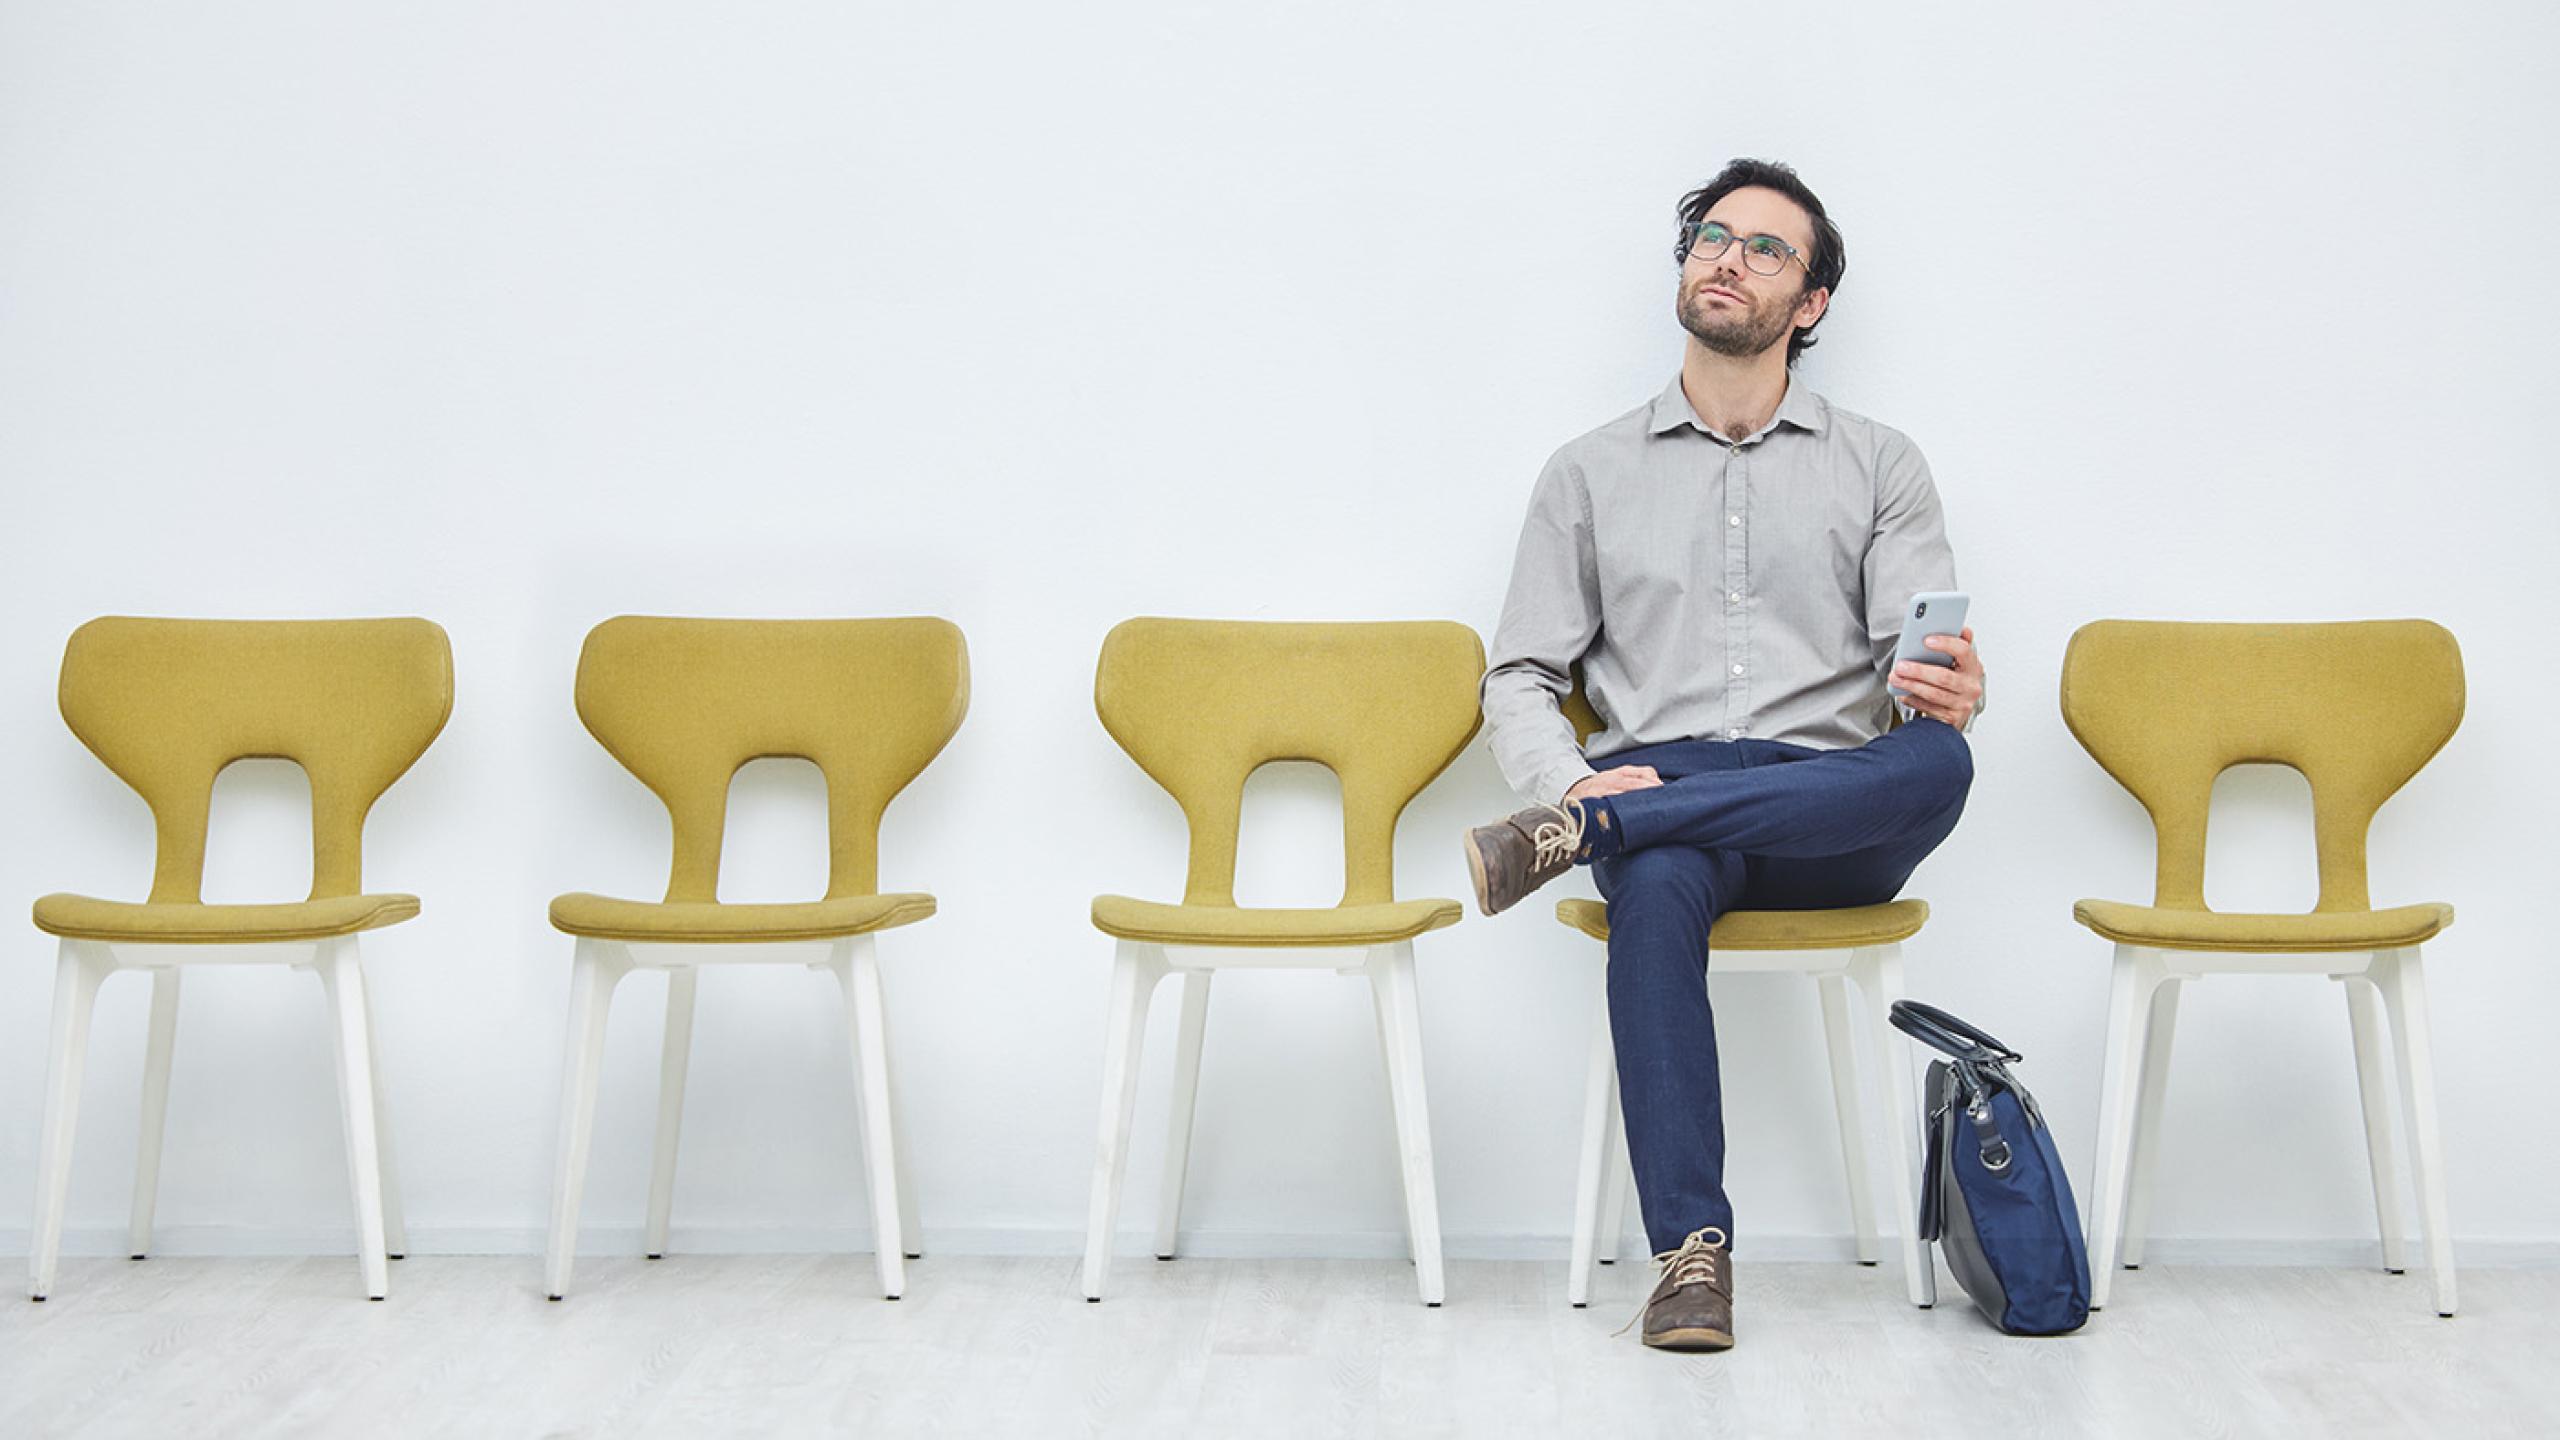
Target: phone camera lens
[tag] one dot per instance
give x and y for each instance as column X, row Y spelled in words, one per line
column 1921, row 609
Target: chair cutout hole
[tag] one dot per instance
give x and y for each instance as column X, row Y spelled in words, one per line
column 2261, row 851
column 1289, row 841
column 257, row 836
column 775, row 845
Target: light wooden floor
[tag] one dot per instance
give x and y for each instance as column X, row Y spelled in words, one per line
column 765, row 1345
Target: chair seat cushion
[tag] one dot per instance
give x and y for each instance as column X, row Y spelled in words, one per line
column 2318, row 931
column 1847, row 928
column 1256, row 925
column 79, row 917
column 601, row 917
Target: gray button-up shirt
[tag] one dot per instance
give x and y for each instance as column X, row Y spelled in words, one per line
column 1712, row 589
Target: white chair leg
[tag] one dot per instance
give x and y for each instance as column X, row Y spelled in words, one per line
column 592, row 977
column 1134, row 974
column 155, row 1106
column 2373, row 1088
column 2137, row 973
column 858, row 966
column 395, row 1221
column 2404, row 994
column 1395, row 1126
column 1854, row 1145
column 1878, row 971
column 342, row 980
column 672, row 1063
column 1392, row 984
column 1617, row 1180
column 2143, row 1176
column 75, row 997
column 1599, row 1087
column 910, row 1233
column 1186, row 1096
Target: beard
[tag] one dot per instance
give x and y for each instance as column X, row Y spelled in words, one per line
column 1741, row 334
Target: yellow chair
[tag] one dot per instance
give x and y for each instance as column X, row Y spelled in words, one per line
column 1201, row 705
column 2357, row 709
column 1860, row 945
column 683, row 704
column 167, row 704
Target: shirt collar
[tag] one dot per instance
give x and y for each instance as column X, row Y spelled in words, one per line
column 1801, row 408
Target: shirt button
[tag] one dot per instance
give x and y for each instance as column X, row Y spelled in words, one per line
column 1735, row 734
column 1733, row 519
column 1734, row 595
column 1737, row 669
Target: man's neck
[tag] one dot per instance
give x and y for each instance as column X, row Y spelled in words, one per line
column 1734, row 397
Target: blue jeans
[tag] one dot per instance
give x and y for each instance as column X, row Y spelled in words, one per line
column 1742, row 824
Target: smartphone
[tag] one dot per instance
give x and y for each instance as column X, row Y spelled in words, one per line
column 1932, row 612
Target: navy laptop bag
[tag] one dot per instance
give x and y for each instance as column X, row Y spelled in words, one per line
column 1993, row 1194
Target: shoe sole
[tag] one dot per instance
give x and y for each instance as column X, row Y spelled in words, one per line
column 1696, row 1338
column 1475, row 876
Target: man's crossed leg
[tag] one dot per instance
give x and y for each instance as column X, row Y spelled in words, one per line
column 1745, row 824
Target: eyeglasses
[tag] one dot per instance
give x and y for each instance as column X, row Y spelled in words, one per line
column 1762, row 254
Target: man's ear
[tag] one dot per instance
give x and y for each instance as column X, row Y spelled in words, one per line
column 1810, row 309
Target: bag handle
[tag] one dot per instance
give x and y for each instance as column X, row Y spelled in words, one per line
column 1939, row 1030
column 1978, row 1062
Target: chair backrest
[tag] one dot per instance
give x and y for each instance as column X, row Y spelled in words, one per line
column 1202, row 704
column 168, row 703
column 1586, row 721
column 683, row 703
column 2357, row 707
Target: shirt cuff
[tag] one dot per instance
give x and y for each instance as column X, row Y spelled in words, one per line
column 1560, row 777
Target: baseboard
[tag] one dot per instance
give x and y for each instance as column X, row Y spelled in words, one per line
column 220, row 1240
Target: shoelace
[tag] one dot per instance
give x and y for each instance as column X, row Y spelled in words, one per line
column 1694, row 1263
column 1556, row 839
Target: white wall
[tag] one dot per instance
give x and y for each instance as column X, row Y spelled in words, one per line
column 1039, row 317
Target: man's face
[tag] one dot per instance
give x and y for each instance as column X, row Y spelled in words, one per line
column 1730, row 309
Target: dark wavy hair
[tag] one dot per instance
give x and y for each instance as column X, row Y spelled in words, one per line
column 1825, row 265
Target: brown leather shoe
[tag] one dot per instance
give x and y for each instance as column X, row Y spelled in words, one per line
column 1692, row 1305
column 1509, row 860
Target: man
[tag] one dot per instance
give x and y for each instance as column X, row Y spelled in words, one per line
column 1728, row 566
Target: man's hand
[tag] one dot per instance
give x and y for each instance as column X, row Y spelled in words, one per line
column 1614, row 782
column 1940, row 693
